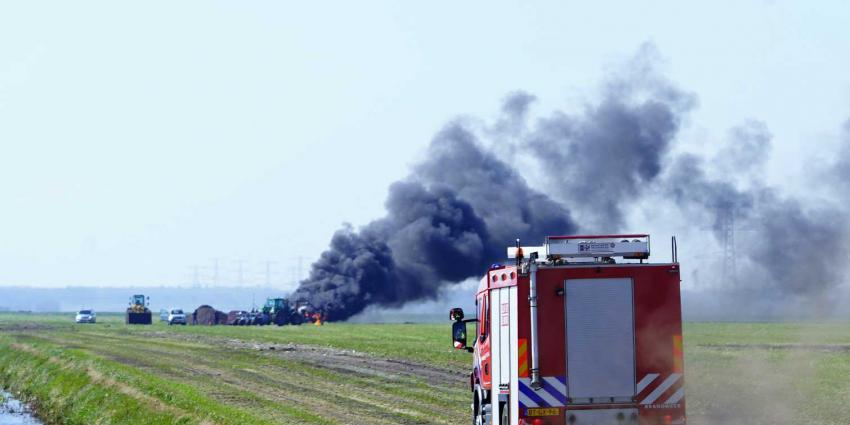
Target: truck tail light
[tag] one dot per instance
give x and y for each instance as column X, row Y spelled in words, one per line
column 667, row 420
column 535, row 421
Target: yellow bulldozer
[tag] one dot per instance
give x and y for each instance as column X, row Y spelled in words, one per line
column 138, row 312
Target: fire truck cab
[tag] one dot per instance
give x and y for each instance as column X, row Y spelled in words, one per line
column 568, row 335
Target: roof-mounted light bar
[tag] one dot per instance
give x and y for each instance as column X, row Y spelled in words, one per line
column 631, row 246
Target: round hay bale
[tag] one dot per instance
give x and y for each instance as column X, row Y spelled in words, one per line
column 207, row 315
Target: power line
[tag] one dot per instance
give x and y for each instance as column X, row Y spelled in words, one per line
column 215, row 262
column 268, row 269
column 727, row 234
column 296, row 270
column 240, row 276
column 196, row 276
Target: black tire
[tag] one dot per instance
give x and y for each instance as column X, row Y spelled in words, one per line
column 481, row 408
column 475, row 408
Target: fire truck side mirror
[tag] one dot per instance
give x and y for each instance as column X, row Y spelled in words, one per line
column 459, row 335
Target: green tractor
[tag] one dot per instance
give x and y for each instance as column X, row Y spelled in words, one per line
column 280, row 312
column 138, row 312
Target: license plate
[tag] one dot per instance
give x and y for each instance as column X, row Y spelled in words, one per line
column 550, row 411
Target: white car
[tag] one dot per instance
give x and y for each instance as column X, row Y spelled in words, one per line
column 86, row 316
column 176, row 317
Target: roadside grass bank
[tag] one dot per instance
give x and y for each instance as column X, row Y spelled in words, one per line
column 202, row 377
column 65, row 386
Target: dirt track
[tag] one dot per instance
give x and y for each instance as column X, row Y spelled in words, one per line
column 830, row 348
column 344, row 361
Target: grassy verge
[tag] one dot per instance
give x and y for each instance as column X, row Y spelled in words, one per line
column 67, row 387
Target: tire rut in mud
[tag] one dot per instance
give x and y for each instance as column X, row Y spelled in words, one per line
column 337, row 359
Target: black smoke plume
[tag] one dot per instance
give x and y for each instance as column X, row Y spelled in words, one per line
column 447, row 221
column 602, row 159
column 464, row 203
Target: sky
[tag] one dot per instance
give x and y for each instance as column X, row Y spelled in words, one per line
column 139, row 141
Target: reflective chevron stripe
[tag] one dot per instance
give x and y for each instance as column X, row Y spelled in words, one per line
column 553, row 393
column 676, row 397
column 648, row 379
column 661, row 389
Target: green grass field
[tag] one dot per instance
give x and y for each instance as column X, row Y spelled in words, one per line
column 736, row 373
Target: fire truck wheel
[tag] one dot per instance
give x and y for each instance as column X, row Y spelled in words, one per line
column 477, row 412
column 482, row 410
column 475, row 407
column 480, row 419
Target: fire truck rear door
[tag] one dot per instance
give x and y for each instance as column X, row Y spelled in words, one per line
column 600, row 340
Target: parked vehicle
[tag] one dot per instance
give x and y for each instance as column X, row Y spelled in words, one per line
column 254, row 318
column 138, row 312
column 176, row 317
column 569, row 336
column 238, row 317
column 279, row 311
column 86, row 316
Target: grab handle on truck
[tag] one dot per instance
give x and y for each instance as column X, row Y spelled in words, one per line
column 675, row 248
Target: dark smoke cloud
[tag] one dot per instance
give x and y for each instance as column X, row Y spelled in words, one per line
column 746, row 153
column 783, row 246
column 515, row 109
column 428, row 236
column 602, row 159
column 516, row 104
column 434, row 233
column 701, row 198
column 497, row 191
column 445, row 223
column 356, row 269
column 463, row 204
column 801, row 250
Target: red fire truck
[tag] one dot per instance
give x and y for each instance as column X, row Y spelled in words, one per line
column 578, row 331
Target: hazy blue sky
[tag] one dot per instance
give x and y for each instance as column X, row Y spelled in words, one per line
column 137, row 140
